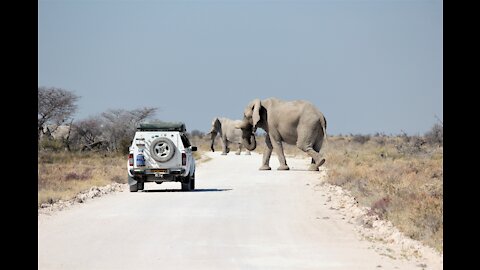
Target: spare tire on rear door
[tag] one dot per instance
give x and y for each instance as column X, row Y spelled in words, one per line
column 162, row 149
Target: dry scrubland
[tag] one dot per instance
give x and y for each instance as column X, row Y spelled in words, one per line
column 61, row 175
column 400, row 178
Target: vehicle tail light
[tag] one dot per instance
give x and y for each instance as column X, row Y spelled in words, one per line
column 130, row 159
column 184, row 159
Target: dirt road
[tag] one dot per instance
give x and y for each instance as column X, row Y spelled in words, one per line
column 237, row 218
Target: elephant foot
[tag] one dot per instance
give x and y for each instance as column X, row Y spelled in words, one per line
column 265, row 168
column 224, row 153
column 283, row 168
column 237, row 153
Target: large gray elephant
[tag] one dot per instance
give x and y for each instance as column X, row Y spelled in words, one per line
column 293, row 122
column 228, row 133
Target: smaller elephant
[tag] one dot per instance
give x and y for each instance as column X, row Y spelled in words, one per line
column 226, row 129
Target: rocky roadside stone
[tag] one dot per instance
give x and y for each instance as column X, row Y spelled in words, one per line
column 47, row 208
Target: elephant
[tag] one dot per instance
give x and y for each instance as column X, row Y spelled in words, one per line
column 229, row 134
column 295, row 122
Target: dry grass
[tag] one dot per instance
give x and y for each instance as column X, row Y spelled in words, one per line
column 405, row 187
column 62, row 175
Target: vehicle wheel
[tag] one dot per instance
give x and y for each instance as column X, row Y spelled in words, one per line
column 140, row 185
column 132, row 183
column 162, row 149
column 186, row 183
column 192, row 182
column 133, row 188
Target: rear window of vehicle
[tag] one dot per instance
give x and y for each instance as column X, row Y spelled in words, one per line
column 185, row 141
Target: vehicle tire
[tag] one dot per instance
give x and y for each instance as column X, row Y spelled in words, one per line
column 162, row 149
column 140, row 185
column 192, row 182
column 186, row 186
column 132, row 183
column 133, row 188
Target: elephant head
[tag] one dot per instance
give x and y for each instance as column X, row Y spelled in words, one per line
column 216, row 128
column 252, row 118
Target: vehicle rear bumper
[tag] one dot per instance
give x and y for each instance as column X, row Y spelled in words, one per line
column 158, row 175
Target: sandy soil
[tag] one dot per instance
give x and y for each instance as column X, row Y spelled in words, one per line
column 237, row 218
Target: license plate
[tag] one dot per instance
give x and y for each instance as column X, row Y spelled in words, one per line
column 159, row 170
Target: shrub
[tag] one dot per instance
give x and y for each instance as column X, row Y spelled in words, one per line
column 435, row 135
column 51, row 145
column 77, row 176
column 361, row 139
column 379, row 207
column 119, row 179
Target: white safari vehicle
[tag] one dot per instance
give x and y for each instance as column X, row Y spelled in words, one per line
column 161, row 152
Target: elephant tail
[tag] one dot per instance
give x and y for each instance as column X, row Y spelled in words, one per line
column 324, row 126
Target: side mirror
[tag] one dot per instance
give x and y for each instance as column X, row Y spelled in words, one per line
column 194, row 148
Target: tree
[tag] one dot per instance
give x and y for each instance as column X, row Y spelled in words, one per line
column 87, row 132
column 120, row 125
column 55, row 106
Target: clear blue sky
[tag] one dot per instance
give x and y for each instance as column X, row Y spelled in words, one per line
column 369, row 66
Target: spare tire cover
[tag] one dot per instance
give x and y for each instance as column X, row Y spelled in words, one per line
column 162, row 149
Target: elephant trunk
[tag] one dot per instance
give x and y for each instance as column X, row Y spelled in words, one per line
column 250, row 143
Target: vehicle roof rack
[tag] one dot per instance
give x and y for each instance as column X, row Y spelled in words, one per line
column 162, row 126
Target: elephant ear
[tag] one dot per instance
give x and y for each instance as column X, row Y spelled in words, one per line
column 217, row 125
column 214, row 126
column 256, row 111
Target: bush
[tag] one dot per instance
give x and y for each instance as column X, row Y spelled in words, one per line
column 435, row 135
column 124, row 145
column 379, row 138
column 380, row 207
column 361, row 139
column 77, row 176
column 51, row 145
column 119, row 179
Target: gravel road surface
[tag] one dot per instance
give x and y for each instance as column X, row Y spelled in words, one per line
column 237, row 218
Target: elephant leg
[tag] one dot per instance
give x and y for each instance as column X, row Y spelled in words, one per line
column 278, row 147
column 316, row 162
column 239, row 149
column 317, row 147
column 247, row 152
column 304, row 143
column 267, row 154
column 225, row 147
